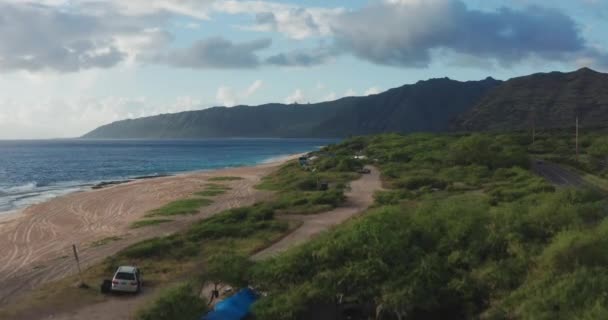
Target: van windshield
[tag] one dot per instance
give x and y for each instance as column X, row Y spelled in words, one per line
column 125, row 276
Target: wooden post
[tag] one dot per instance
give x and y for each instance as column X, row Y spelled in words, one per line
column 77, row 264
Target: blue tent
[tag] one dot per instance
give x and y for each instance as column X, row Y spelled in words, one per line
column 233, row 308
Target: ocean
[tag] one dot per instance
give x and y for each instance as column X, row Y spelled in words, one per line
column 35, row 171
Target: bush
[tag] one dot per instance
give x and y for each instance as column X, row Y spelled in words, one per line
column 179, row 207
column 236, row 223
column 179, row 302
column 165, row 247
column 384, row 198
column 415, row 183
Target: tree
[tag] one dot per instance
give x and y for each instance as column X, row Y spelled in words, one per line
column 229, row 268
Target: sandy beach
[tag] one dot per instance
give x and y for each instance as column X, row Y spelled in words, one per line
column 36, row 243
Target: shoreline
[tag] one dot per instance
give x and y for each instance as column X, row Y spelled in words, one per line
column 103, row 184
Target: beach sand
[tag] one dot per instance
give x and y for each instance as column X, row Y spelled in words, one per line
column 36, row 243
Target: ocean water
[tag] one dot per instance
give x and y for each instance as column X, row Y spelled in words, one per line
column 35, row 171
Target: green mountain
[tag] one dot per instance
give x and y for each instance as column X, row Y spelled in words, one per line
column 545, row 100
column 425, row 106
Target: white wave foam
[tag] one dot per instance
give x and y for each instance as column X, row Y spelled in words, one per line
column 22, row 196
column 30, row 186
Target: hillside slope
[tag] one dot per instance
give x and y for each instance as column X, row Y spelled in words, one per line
column 424, row 106
column 549, row 100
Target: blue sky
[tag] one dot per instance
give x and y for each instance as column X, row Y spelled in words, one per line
column 69, row 66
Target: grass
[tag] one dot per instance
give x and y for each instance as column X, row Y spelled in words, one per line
column 105, row 241
column 148, row 222
column 181, row 207
column 212, row 190
column 225, row 178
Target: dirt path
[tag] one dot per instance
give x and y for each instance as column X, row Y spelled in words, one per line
column 35, row 245
column 359, row 198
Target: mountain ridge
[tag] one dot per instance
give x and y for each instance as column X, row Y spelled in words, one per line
column 409, row 108
column 543, row 100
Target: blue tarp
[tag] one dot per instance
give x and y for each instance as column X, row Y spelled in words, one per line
column 233, row 308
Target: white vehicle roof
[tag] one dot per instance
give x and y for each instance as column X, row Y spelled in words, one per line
column 127, row 269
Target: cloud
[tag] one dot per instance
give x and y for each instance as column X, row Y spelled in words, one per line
column 254, row 87
column 35, row 37
column 228, row 97
column 73, row 35
column 216, row 53
column 77, row 115
column 372, row 90
column 296, row 97
column 296, row 22
column 405, row 33
column 330, row 97
column 303, row 58
column 350, row 93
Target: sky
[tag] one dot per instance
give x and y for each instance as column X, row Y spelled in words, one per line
column 68, row 66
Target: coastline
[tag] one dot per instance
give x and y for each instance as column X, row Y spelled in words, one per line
column 36, row 239
column 102, row 184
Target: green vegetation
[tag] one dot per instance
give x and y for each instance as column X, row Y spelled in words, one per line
column 299, row 190
column 228, row 267
column 212, row 190
column 179, row 302
column 148, row 222
column 225, row 178
column 181, row 207
column 464, row 231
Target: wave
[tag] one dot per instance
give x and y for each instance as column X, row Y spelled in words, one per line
column 27, row 194
column 30, row 186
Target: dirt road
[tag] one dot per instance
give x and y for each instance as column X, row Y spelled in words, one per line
column 35, row 245
column 359, row 198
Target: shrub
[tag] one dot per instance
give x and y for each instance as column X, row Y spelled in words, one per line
column 415, row 183
column 179, row 302
column 179, row 207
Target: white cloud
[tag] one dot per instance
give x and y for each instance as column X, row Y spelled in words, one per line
column 330, row 97
column 228, row 97
column 372, row 90
column 72, row 117
column 254, row 87
column 296, row 97
column 350, row 93
column 294, row 21
column 69, row 37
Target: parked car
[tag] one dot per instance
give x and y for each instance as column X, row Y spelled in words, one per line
column 127, row 279
column 364, row 171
